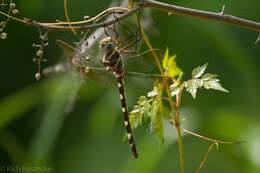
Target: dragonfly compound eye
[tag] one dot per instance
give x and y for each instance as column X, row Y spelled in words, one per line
column 108, row 48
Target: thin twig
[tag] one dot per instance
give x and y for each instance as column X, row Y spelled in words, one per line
column 206, row 156
column 209, row 139
column 93, row 19
column 82, row 28
column 220, row 17
column 177, row 124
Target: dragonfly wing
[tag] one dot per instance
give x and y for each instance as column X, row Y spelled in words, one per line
column 69, row 51
column 100, row 76
column 140, row 81
column 144, row 75
column 147, row 53
column 143, row 62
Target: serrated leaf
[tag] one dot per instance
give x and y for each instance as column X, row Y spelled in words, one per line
column 146, row 111
column 214, row 80
column 156, row 124
column 206, row 85
column 136, row 109
column 177, row 90
column 200, row 82
column 208, row 76
column 174, row 85
column 198, row 72
column 173, row 69
column 142, row 100
column 214, row 84
column 135, row 119
column 153, row 93
column 169, row 65
column 192, row 87
column 180, row 77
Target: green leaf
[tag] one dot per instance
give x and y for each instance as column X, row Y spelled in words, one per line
column 200, row 82
column 208, row 76
column 153, row 93
column 142, row 100
column 177, row 89
column 180, row 77
column 140, row 112
column 192, row 87
column 173, row 69
column 198, row 72
column 150, row 108
column 135, row 117
column 156, row 124
column 146, row 110
column 169, row 65
column 165, row 59
column 214, row 84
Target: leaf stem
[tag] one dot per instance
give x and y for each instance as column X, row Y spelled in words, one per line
column 209, row 139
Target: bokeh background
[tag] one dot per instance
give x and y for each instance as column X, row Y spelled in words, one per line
column 37, row 133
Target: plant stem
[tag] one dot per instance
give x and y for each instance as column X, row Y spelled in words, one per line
column 180, row 150
column 176, row 119
column 172, row 104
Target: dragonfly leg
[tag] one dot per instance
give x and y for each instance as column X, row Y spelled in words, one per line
column 123, row 50
column 105, row 31
column 132, row 34
column 117, row 34
column 138, row 37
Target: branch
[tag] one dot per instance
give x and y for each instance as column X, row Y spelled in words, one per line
column 220, row 17
column 81, row 28
column 209, row 139
column 171, row 9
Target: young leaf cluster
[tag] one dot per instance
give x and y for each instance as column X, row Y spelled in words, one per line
column 151, row 108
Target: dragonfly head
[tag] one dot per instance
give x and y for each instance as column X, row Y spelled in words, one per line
column 107, row 45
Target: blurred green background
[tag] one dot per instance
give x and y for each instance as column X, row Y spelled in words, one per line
column 36, row 131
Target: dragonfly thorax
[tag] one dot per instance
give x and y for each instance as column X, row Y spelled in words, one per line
column 111, row 59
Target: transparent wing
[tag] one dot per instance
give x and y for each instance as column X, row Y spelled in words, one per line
column 141, row 81
column 143, row 62
column 100, row 75
column 141, row 69
column 87, row 65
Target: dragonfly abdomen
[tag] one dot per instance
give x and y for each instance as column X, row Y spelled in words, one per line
column 113, row 62
column 120, row 85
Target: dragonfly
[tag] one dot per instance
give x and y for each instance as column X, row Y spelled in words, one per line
column 112, row 63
